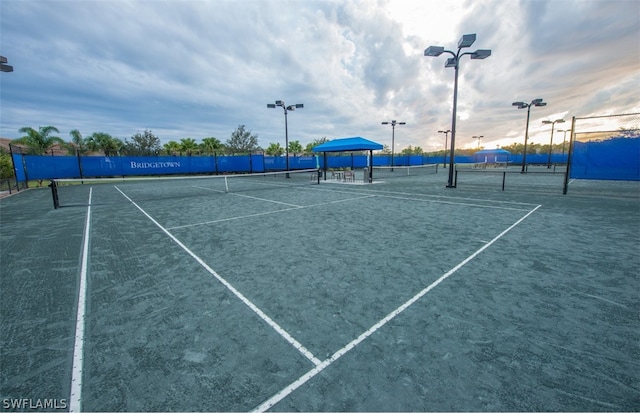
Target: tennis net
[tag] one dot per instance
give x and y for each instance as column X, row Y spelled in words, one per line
column 386, row 172
column 73, row 192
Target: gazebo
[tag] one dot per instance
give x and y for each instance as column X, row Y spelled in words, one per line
column 492, row 156
column 352, row 144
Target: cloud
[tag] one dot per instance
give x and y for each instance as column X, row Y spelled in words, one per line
column 201, row 68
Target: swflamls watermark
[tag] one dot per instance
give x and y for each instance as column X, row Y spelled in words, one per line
column 26, row 404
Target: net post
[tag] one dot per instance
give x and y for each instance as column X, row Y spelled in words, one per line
column 455, row 181
column 226, row 184
column 504, row 176
column 54, row 193
column 319, row 173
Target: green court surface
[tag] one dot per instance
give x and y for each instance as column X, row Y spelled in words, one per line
column 401, row 295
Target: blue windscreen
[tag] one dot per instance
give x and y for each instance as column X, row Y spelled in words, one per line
column 612, row 159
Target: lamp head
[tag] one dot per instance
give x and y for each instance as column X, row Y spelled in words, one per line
column 433, row 51
column 466, row 40
column 299, row 105
column 451, row 62
column 536, row 101
column 291, row 107
column 385, row 123
column 402, row 123
column 279, row 103
column 541, row 104
column 271, row 105
column 481, row 54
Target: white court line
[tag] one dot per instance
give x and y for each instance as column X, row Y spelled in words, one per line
column 75, row 397
column 414, row 196
column 267, row 213
column 326, row 363
column 283, row 333
column 249, row 196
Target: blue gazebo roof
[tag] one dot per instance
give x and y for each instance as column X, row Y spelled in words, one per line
column 493, row 152
column 355, row 143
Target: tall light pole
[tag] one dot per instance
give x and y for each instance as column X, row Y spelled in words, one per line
column 446, row 133
column 553, row 124
column 478, row 138
column 286, row 128
column 465, row 41
column 564, row 140
column 393, row 124
column 522, row 105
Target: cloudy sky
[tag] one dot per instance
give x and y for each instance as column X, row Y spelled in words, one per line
column 192, row 68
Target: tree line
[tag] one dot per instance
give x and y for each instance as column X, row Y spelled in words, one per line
column 42, row 140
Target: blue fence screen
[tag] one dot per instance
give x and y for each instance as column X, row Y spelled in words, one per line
column 611, row 159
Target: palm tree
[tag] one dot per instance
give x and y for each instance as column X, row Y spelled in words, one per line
column 188, row 145
column 171, row 148
column 100, row 141
column 78, row 143
column 274, row 149
column 39, row 141
column 211, row 145
column 295, row 148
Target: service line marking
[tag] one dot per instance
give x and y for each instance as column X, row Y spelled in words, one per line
column 257, row 214
column 75, row 398
column 283, row 333
column 344, row 350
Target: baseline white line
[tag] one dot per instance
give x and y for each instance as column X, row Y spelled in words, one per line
column 75, row 397
column 283, row 333
column 326, row 363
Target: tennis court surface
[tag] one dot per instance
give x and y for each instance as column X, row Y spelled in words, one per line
column 400, row 295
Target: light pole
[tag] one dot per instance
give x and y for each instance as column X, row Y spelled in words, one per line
column 478, row 138
column 564, row 140
column 393, row 124
column 465, row 41
column 522, row 105
column 446, row 132
column 286, row 128
column 553, row 124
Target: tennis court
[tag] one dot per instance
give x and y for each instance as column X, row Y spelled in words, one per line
column 400, row 295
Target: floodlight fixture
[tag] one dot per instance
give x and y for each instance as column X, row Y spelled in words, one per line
column 522, row 105
column 433, row 51
column 446, row 135
column 478, row 138
column 286, row 127
column 481, row 54
column 465, row 41
column 3, row 66
column 553, row 125
column 393, row 124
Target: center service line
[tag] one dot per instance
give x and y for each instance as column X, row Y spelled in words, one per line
column 231, row 288
column 344, row 350
column 75, row 397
